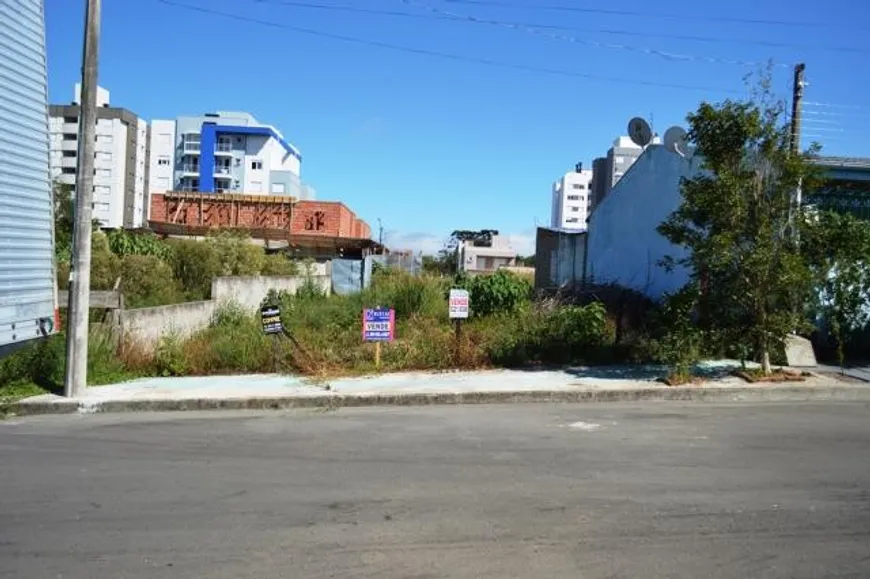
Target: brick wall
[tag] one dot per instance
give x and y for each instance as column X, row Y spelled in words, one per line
column 328, row 218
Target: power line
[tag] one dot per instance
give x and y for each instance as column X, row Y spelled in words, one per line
column 834, row 105
column 651, row 14
column 542, row 27
column 446, row 55
column 670, row 56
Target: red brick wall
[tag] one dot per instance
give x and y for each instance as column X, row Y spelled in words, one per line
column 329, row 218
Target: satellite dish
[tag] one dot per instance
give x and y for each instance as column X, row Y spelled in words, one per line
column 676, row 141
column 639, row 131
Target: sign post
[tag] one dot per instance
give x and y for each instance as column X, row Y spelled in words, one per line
column 379, row 325
column 459, row 304
column 270, row 317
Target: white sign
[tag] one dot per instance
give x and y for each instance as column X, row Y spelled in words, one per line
column 459, row 302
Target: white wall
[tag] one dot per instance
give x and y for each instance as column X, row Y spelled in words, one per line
column 161, row 177
column 257, row 181
column 624, row 246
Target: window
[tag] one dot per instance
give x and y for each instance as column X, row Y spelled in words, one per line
column 278, row 188
column 579, row 186
column 572, row 220
column 256, row 186
column 69, row 136
column 69, row 153
column 71, row 120
column 573, row 198
column 104, row 139
column 575, row 209
column 103, row 173
column 68, row 170
column 163, row 161
column 102, row 190
column 256, row 164
column 619, row 160
column 103, row 156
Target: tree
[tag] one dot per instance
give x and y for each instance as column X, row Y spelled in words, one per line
column 737, row 221
column 837, row 247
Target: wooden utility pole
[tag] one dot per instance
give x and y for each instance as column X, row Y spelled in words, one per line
column 76, row 371
column 797, row 107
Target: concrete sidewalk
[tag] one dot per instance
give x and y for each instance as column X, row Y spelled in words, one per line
column 607, row 384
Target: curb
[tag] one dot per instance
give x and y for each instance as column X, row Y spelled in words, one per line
column 678, row 394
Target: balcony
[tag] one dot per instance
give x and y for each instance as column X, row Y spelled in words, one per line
column 223, row 170
column 188, row 148
column 190, row 170
column 223, row 148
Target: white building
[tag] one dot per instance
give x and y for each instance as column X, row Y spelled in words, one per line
column 572, row 200
column 623, row 245
column 476, row 258
column 119, row 164
column 224, row 152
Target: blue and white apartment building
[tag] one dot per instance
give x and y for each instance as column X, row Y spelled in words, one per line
column 223, row 152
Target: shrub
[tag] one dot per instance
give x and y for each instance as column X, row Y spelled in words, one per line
column 568, row 334
column 122, row 243
column 501, row 292
column 236, row 254
column 278, row 264
column 146, row 281
column 195, row 265
column 408, row 295
column 170, row 357
column 105, row 265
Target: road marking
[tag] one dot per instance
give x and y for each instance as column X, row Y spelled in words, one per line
column 585, row 426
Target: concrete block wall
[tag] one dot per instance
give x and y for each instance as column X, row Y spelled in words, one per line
column 146, row 326
column 249, row 291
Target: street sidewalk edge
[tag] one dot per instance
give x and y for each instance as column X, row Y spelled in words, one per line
column 678, row 394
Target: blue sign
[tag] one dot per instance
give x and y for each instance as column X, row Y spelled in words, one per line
column 379, row 325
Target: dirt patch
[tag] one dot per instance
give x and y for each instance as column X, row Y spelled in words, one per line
column 678, row 380
column 778, row 376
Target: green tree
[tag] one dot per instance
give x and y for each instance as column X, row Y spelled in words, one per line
column 837, row 247
column 736, row 223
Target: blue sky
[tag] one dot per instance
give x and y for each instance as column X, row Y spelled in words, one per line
column 431, row 144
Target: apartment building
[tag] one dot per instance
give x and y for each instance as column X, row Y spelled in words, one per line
column 224, row 152
column 479, row 258
column 120, row 163
column 572, row 199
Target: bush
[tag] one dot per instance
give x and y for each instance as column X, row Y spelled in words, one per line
column 278, row 264
column 563, row 335
column 236, row 254
column 122, row 243
column 146, row 281
column 195, row 265
column 501, row 292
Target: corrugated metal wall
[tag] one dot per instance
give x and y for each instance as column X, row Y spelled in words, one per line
column 26, row 224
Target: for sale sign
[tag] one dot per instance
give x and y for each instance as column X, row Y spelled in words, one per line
column 379, row 325
column 459, row 304
column 271, row 319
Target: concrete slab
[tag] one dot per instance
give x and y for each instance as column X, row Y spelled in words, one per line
column 614, row 383
column 799, row 352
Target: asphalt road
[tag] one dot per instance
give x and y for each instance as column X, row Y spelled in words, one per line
column 538, row 491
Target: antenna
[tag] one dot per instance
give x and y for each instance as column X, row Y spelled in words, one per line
column 639, row 131
column 675, row 141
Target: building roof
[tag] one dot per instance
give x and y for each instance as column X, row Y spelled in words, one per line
column 844, row 162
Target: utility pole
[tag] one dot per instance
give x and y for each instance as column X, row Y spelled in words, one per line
column 380, row 232
column 76, row 374
column 797, row 107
